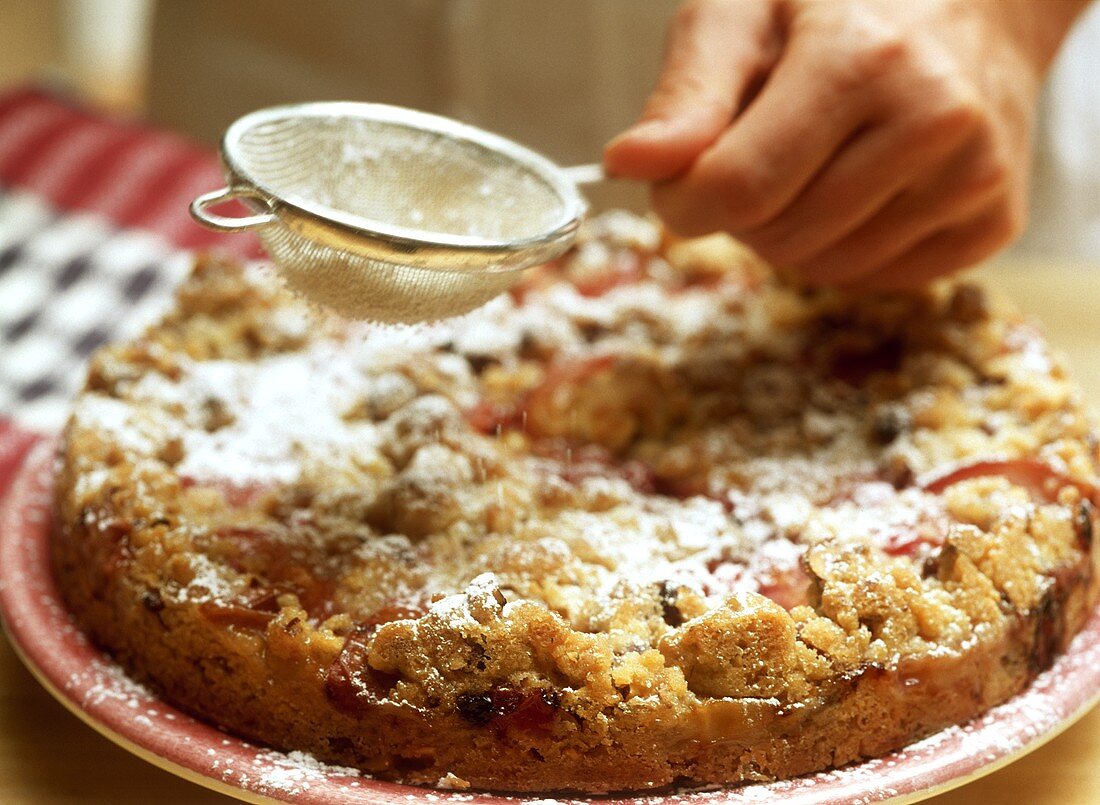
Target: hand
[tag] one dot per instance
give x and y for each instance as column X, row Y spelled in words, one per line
column 875, row 144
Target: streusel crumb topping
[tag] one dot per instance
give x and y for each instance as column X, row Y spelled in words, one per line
column 649, row 477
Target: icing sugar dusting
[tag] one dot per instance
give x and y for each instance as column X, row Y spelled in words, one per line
column 290, row 772
column 398, row 396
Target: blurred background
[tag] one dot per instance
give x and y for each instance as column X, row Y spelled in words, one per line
column 560, row 76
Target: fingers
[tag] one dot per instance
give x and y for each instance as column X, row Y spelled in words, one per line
column 716, row 50
column 774, row 149
column 869, row 156
column 962, row 188
column 948, row 251
column 864, row 177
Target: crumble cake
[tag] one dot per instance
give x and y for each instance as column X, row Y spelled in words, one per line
column 652, row 519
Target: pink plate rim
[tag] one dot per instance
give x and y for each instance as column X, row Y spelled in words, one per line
column 88, row 683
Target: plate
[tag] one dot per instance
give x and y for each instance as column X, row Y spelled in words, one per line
column 89, row 684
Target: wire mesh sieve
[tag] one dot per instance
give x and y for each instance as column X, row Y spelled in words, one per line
column 391, row 214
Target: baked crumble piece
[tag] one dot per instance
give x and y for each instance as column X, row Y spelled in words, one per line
column 652, row 519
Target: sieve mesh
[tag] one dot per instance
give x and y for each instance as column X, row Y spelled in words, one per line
column 400, row 176
column 393, row 293
column 389, row 214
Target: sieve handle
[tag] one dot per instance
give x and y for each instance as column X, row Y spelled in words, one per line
column 223, row 223
column 585, row 174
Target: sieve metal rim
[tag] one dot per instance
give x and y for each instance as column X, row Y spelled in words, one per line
column 378, row 240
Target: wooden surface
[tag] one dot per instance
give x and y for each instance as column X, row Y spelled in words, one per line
column 48, row 756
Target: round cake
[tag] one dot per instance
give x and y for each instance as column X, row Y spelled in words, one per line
column 654, row 519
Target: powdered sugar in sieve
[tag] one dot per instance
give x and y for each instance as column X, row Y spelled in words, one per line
column 390, row 214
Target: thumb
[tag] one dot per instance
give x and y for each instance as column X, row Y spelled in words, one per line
column 716, row 50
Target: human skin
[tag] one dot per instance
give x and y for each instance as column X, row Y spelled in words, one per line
column 869, row 144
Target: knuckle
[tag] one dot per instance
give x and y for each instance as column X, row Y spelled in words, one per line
column 743, row 194
column 953, row 101
column 664, row 98
column 990, row 176
column 886, row 51
column 685, row 15
column 879, row 55
column 683, row 92
column 734, row 197
column 958, row 116
column 689, row 15
column 740, row 186
column 1002, row 225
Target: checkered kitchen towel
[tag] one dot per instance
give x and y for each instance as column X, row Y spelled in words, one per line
column 94, row 234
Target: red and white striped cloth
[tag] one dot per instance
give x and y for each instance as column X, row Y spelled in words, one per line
column 94, row 234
